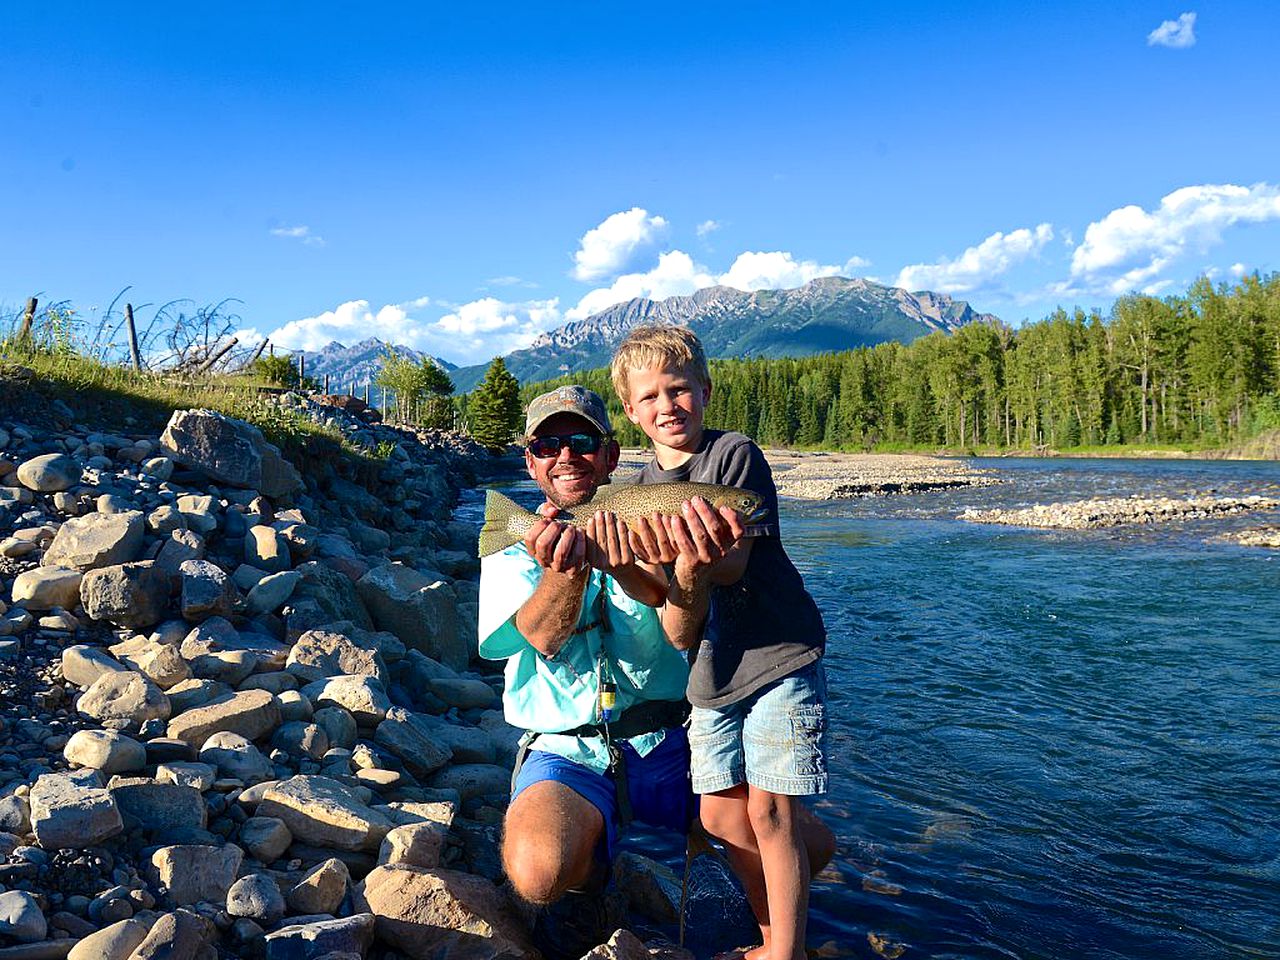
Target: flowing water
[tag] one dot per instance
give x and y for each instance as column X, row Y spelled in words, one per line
column 1049, row 744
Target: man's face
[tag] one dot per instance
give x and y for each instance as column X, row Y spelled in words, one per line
column 569, row 479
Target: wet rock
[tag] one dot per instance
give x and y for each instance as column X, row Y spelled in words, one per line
column 194, row 872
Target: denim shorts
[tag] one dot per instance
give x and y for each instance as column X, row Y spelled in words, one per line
column 658, row 785
column 775, row 739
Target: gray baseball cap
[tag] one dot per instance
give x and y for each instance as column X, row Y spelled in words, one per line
column 574, row 399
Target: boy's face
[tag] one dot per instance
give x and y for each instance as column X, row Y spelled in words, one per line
column 667, row 404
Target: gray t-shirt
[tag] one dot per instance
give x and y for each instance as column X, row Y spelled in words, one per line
column 766, row 626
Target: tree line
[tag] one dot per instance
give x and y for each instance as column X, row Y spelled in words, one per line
column 1197, row 369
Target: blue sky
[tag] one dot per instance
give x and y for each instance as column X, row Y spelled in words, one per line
column 461, row 181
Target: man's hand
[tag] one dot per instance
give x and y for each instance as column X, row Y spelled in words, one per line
column 609, row 543
column 556, row 546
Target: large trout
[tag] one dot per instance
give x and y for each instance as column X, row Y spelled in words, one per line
column 505, row 521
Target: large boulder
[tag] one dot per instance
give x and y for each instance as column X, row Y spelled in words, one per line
column 314, row 940
column 334, row 593
column 323, row 812
column 207, row 591
column 195, row 872
column 228, row 451
column 436, row 913
column 47, row 587
column 250, row 713
column 133, row 595
column 67, row 814
column 318, row 654
column 411, row 738
column 157, row 806
column 97, row 540
column 124, row 699
column 418, row 609
column 49, row 473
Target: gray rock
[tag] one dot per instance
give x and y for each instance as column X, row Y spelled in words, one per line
column 161, row 663
column 65, row 814
column 294, row 706
column 250, row 713
column 257, row 897
column 133, row 595
column 15, row 815
column 179, row 547
column 157, row 806
column 97, row 540
column 49, row 473
column 473, row 779
column 322, row 811
column 105, row 750
column 195, row 872
column 265, row 838
column 21, row 917
column 466, row 744
column 300, row 739
column 266, row 549
column 322, row 890
column 466, row 693
column 193, row 693
column 228, row 451
column 333, row 593
column 271, row 593
column 164, row 520
column 199, row 776
column 181, row 935
column 363, row 697
column 235, row 756
column 318, row 654
column 411, row 739
column 318, row 939
column 127, row 697
column 339, row 724
column 414, row 845
column 47, row 587
column 416, row 609
column 199, row 513
column 116, row 942
column 161, row 468
column 206, row 590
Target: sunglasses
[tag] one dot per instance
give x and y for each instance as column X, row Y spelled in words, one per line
column 579, row 444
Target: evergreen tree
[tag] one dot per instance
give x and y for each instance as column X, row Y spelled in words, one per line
column 494, row 407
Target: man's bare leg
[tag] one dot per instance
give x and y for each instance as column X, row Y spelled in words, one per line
column 548, row 841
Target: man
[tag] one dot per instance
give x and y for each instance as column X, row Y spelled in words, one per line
column 589, row 672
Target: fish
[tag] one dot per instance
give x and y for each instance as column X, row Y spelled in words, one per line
column 506, row 522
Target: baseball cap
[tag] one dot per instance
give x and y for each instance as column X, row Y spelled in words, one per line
column 574, row 399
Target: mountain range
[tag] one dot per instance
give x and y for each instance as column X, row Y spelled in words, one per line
column 831, row 313
column 350, row 368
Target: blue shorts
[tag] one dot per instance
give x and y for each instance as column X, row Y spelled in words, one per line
column 658, row 785
column 774, row 739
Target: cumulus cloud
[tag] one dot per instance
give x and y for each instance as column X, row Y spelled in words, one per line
column 1178, row 34
column 621, row 243
column 470, row 333
column 676, row 274
column 1238, row 270
column 978, row 266
column 780, row 271
column 301, row 232
column 707, row 227
column 1130, row 247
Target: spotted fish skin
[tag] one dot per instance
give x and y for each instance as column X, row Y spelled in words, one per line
column 506, row 522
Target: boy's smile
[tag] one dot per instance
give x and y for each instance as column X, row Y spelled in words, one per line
column 668, row 406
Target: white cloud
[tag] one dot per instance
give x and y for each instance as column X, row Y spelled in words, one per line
column 1130, row 247
column 300, row 232
column 1238, row 270
column 707, row 227
column 471, row 333
column 621, row 243
column 774, row 271
column 978, row 266
column 1178, row 34
column 676, row 274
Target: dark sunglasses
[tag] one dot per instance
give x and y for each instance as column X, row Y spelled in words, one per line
column 579, row 444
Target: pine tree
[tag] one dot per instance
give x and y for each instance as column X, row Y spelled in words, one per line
column 494, row 407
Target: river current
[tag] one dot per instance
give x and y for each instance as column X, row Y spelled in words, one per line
column 1048, row 744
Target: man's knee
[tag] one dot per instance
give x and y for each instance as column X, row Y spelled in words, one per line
column 533, row 875
column 548, row 841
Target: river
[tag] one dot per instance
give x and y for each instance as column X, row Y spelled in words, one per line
column 1048, row 744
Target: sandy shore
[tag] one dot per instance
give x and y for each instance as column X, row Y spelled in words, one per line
column 835, row 476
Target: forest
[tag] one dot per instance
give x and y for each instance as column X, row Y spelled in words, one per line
column 1193, row 371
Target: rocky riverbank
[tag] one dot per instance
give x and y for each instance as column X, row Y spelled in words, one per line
column 842, row 476
column 241, row 714
column 1092, row 514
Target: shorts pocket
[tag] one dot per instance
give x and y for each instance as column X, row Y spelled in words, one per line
column 808, row 732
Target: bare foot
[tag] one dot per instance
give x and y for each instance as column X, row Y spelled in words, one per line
column 744, row 953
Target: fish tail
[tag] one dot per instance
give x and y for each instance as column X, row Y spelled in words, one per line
column 505, row 523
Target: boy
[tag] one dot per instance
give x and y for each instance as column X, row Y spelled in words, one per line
column 755, row 640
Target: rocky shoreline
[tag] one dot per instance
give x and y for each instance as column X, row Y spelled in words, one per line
column 241, row 714
column 1097, row 513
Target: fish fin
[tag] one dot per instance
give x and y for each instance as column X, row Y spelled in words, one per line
column 505, row 522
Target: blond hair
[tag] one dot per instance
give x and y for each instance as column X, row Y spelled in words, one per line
column 658, row 345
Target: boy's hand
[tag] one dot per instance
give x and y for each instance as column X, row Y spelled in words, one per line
column 556, row 546
column 608, row 543
column 702, row 535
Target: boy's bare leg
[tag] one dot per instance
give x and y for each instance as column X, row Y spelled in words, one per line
column 724, row 816
column 548, row 841
column 785, row 862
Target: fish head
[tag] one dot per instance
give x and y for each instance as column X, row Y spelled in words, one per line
column 747, row 502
